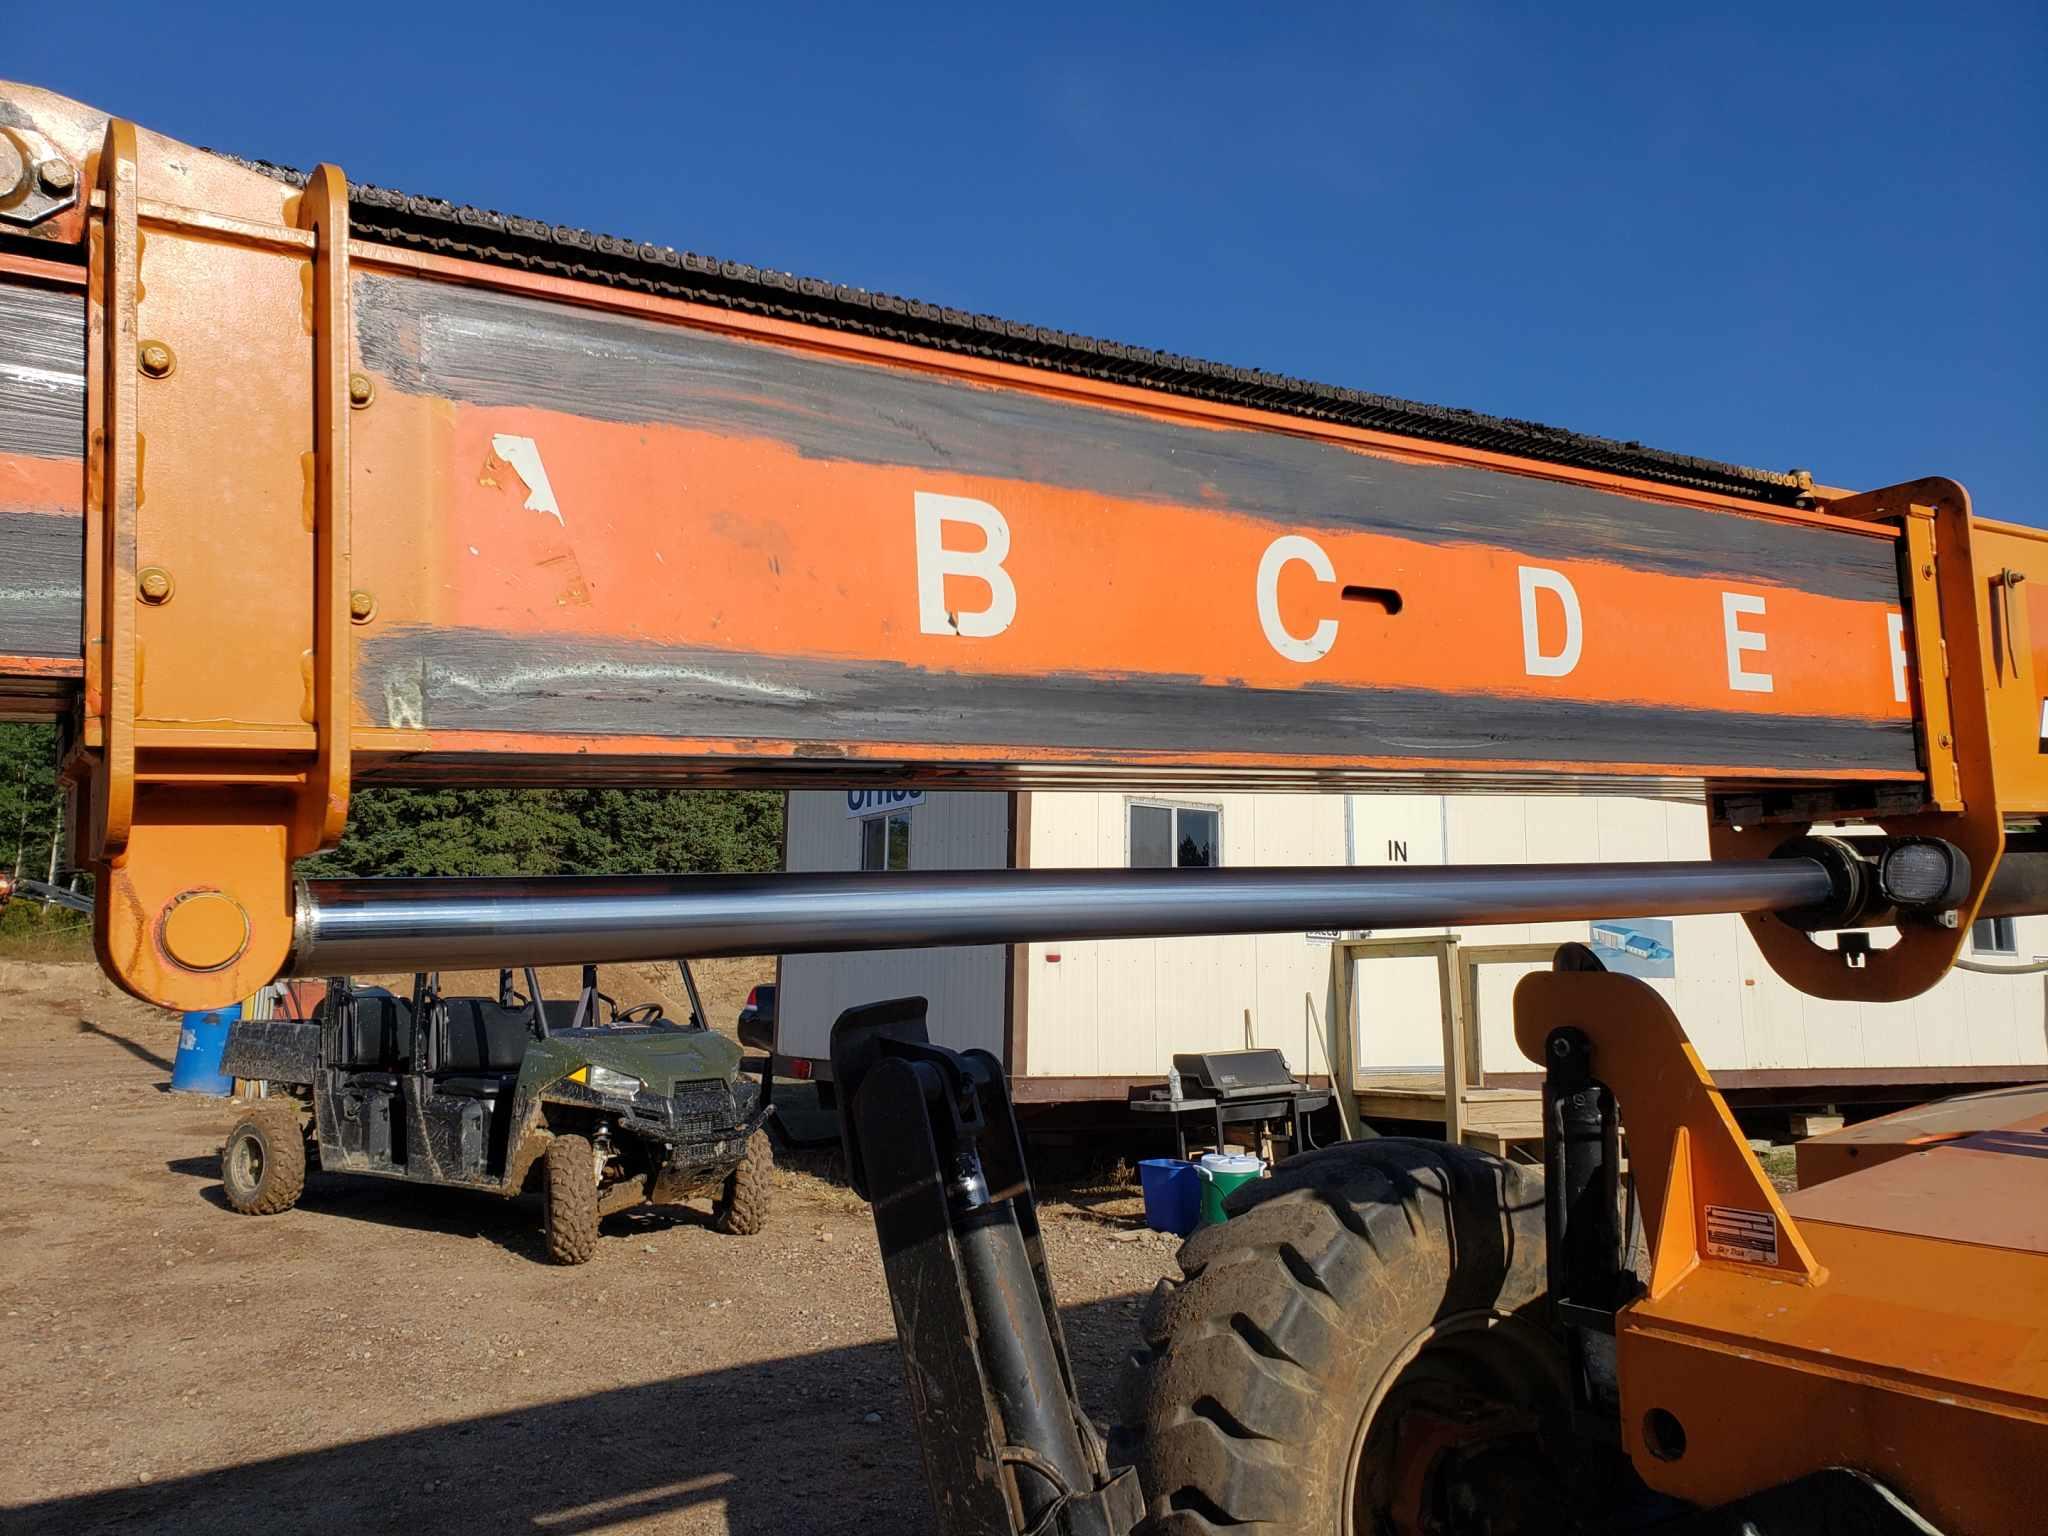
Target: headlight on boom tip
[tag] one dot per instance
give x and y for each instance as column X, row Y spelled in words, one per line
column 605, row 1080
column 1924, row 874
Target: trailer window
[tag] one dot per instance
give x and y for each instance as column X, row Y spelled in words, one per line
column 885, row 842
column 1175, row 837
column 1994, row 936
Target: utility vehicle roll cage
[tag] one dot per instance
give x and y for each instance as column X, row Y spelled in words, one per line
column 426, row 993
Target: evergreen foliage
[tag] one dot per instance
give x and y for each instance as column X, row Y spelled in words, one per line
column 453, row 831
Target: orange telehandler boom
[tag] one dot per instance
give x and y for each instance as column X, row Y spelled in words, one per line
column 305, row 485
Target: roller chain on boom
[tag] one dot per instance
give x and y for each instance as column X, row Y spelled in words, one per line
column 506, row 240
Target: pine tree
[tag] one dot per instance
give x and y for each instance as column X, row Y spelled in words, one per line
column 457, row 831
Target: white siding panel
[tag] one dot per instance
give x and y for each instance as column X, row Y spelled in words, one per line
column 1496, row 991
column 1121, row 1008
column 1396, row 1025
column 1773, row 1013
column 965, row 987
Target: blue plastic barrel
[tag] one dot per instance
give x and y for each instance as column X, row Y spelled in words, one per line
column 200, row 1042
column 1173, row 1194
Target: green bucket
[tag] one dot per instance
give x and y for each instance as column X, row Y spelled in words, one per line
column 1221, row 1172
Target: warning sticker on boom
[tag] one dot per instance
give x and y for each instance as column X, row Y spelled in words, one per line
column 1750, row 1237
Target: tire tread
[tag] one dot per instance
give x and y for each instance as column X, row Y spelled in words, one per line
column 284, row 1159
column 741, row 1208
column 1244, row 1400
column 570, row 1199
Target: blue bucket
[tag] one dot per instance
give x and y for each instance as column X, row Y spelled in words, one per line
column 1173, row 1194
column 200, row 1041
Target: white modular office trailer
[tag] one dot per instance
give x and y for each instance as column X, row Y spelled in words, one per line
column 1088, row 1020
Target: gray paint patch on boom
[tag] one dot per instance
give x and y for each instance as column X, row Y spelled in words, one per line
column 42, row 584
column 507, row 350
column 42, row 416
column 479, row 680
column 42, row 373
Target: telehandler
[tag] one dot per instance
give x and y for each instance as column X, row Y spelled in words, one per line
column 305, row 484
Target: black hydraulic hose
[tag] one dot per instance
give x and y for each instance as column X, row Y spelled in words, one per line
column 2019, row 886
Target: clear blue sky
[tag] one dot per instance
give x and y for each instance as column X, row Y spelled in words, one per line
column 1788, row 235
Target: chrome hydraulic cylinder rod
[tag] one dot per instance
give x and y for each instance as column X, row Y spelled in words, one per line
column 353, row 926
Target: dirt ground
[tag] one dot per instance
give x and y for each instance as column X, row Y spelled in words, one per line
column 388, row 1359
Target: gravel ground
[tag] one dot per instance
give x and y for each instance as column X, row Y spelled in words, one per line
column 386, row 1359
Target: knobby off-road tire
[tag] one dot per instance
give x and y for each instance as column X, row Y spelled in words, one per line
column 569, row 1199
column 742, row 1205
column 1355, row 1304
column 263, row 1160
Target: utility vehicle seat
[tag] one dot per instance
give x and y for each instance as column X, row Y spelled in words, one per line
column 376, row 1033
column 561, row 1012
column 482, row 1036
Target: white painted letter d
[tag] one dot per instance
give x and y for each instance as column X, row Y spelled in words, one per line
column 1534, row 579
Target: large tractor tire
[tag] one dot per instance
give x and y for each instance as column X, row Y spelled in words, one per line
column 263, row 1161
column 568, row 1209
column 742, row 1204
column 1361, row 1349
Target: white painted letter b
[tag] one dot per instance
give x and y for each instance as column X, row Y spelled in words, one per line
column 935, row 563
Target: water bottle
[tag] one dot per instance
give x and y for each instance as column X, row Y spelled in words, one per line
column 1173, row 1085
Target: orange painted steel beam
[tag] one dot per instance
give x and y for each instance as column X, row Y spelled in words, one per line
column 744, row 577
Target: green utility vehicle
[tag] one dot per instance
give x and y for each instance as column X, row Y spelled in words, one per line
column 598, row 1107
